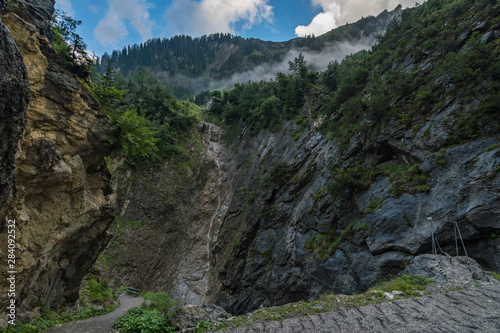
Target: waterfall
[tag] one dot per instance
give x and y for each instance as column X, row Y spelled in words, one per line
column 212, row 151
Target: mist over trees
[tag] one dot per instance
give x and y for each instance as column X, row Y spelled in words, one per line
column 219, row 61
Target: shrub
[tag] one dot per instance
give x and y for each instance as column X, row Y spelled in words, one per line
column 153, row 316
column 140, row 320
column 135, row 134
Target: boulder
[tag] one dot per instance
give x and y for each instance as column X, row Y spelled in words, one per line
column 443, row 269
column 190, row 315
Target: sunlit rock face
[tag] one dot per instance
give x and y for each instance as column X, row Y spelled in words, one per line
column 60, row 206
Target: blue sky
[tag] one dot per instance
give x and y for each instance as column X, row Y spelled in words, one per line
column 113, row 24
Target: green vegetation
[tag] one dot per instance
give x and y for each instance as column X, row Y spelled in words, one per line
column 71, row 50
column 182, row 57
column 363, row 228
column 147, row 122
column 406, row 179
column 496, row 275
column 409, row 284
column 152, row 316
column 96, row 298
column 94, row 291
column 407, row 76
column 403, row 179
column 373, row 206
column 440, row 157
column 357, row 178
column 320, row 194
column 324, row 245
column 278, row 175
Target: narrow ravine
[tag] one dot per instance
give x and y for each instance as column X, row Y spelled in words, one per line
column 213, row 149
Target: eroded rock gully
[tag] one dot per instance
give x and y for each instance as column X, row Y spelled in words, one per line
column 169, row 219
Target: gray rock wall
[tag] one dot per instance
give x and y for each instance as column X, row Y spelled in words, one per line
column 270, row 263
column 15, row 94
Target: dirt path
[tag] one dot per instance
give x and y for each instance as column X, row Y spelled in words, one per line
column 99, row 324
column 467, row 310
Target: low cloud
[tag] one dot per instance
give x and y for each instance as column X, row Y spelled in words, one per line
column 112, row 28
column 196, row 18
column 316, row 60
column 338, row 12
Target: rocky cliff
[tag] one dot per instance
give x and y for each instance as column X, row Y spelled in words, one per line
column 60, row 207
column 294, row 240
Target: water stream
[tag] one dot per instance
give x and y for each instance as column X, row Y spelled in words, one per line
column 212, row 151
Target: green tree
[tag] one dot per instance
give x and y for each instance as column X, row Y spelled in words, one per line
column 299, row 66
column 135, row 134
column 69, row 45
column 105, row 88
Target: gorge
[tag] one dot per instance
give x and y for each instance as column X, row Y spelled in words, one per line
column 271, row 197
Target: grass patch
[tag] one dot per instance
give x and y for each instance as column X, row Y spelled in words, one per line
column 373, row 206
column 320, row 194
column 403, row 179
column 358, row 177
column 278, row 174
column 324, row 245
column 406, row 179
column 493, row 147
column 409, row 284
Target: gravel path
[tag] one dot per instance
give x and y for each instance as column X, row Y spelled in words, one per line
column 467, row 310
column 99, row 324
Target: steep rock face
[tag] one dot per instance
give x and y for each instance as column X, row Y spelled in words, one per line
column 284, row 224
column 15, row 94
column 61, row 210
column 168, row 220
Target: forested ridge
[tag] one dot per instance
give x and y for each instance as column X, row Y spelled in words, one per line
column 220, row 55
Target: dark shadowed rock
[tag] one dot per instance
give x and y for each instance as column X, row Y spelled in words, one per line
column 15, row 94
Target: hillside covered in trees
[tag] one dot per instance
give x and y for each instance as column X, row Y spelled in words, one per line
column 180, row 59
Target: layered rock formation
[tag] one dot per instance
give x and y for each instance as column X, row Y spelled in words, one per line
column 60, row 208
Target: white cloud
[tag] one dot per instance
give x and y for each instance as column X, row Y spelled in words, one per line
column 112, row 28
column 65, row 6
column 196, row 18
column 338, row 12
